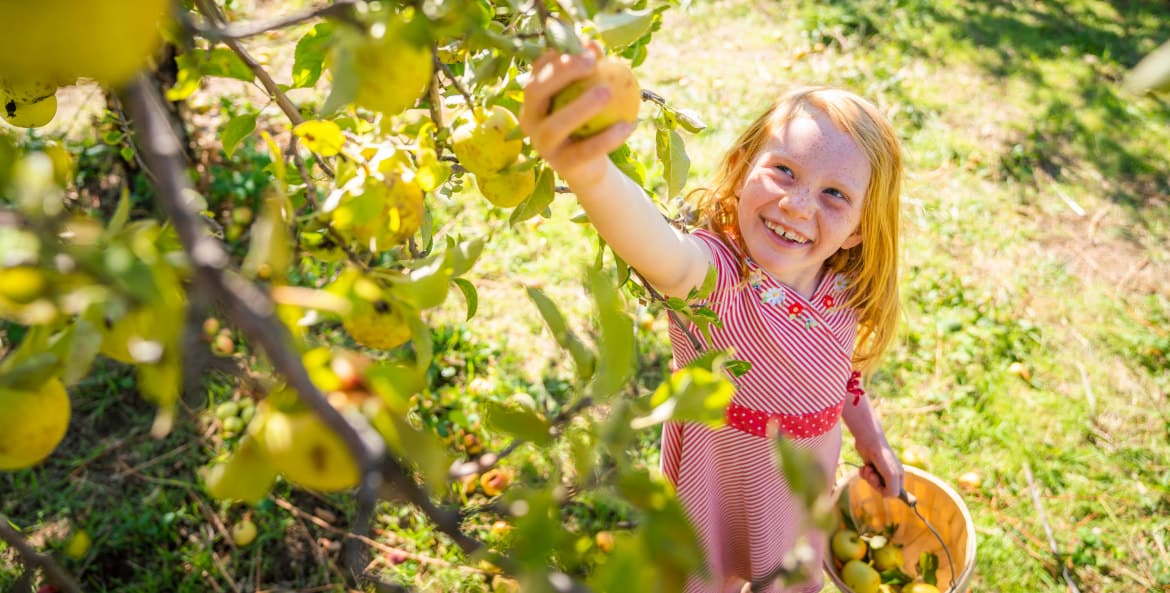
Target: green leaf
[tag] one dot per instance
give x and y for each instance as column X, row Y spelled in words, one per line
column 802, row 471
column 121, row 213
column 616, row 342
column 540, row 199
column 627, row 162
column 320, row 136
column 466, row 252
column 77, row 346
column 562, row 37
column 345, row 81
column 690, row 393
column 189, row 77
column 235, row 130
column 271, row 247
column 309, row 55
column 521, row 422
column 583, row 358
column 423, row 341
column 623, row 28
column 708, row 286
column 469, row 294
column 689, row 120
column 394, row 383
column 675, row 162
column 928, row 567
column 224, row 63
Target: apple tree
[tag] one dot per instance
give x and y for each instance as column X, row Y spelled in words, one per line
column 415, row 105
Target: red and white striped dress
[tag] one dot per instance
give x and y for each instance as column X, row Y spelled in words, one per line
column 727, row 479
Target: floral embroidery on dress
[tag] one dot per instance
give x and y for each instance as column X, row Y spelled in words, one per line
column 773, row 296
column 827, row 302
column 756, row 278
column 840, row 283
column 794, row 309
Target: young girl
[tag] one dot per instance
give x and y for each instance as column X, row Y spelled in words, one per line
column 802, row 229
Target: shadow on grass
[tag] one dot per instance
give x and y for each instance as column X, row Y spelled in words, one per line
column 1071, row 55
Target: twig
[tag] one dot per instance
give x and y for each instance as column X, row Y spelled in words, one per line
column 489, row 460
column 319, row 522
column 441, row 67
column 245, row 306
column 286, row 105
column 1048, row 529
column 653, row 97
column 340, row 9
column 53, row 571
column 695, row 343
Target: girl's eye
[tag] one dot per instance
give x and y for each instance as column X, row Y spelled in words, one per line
column 836, row 193
column 785, row 170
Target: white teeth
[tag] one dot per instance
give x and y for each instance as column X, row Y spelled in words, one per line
column 791, row 236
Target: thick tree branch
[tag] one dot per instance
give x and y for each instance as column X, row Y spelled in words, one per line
column 56, row 575
column 245, row 306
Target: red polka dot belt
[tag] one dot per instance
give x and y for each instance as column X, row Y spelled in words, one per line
column 797, row 426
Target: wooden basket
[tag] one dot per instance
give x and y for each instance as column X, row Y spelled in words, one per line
column 938, row 502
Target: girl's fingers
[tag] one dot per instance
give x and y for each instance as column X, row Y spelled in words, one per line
column 553, row 74
column 600, row 144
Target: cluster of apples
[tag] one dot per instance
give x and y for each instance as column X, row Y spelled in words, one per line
column 488, row 143
column 873, row 563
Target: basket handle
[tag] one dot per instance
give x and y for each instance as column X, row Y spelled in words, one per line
column 903, row 495
column 912, row 502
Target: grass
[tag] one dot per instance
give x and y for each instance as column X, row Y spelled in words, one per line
column 1035, row 216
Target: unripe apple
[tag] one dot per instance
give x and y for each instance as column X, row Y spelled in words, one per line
column 481, row 142
column 860, row 577
column 919, row 587
column 244, row 532
column 77, row 546
column 624, row 102
column 847, row 545
column 507, row 189
column 888, row 557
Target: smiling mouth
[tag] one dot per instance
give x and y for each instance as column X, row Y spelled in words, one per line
column 786, row 234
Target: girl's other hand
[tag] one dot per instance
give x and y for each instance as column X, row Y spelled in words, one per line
column 882, row 470
column 578, row 162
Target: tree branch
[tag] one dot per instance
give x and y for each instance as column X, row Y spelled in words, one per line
column 340, row 9
column 243, row 303
column 53, row 571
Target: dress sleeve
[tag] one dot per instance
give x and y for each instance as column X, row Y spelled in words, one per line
column 726, row 263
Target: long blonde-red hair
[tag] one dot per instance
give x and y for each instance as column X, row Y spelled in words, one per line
column 872, row 266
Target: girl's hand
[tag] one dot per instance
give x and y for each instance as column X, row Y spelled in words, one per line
column 881, row 468
column 579, row 162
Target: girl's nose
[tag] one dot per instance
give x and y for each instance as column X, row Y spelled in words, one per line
column 798, row 203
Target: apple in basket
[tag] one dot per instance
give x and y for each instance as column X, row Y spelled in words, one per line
column 847, row 545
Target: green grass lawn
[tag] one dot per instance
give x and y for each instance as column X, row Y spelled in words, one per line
column 1036, row 215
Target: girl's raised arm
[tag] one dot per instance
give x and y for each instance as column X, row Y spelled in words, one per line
column 672, row 261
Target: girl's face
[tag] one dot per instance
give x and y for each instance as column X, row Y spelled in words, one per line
column 801, row 199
